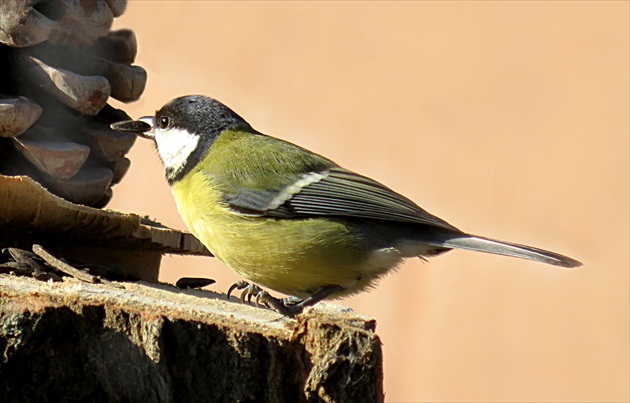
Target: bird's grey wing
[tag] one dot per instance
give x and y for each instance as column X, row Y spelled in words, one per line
column 333, row 192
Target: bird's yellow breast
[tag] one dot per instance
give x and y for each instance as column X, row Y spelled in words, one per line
column 292, row 256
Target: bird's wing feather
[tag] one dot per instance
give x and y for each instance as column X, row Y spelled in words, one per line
column 333, row 192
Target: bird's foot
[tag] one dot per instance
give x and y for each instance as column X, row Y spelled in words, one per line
column 289, row 306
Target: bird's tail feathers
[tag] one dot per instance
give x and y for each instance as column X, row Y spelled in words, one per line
column 481, row 244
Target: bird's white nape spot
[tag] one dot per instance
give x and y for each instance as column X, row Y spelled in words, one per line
column 174, row 146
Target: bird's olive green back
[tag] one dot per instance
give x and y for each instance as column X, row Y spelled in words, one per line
column 240, row 160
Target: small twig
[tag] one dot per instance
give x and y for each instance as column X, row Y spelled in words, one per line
column 64, row 267
column 15, row 267
column 25, row 264
column 24, row 258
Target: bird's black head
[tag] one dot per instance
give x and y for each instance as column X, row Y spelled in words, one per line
column 185, row 128
column 197, row 114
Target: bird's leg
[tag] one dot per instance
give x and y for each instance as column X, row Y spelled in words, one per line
column 285, row 307
column 291, row 300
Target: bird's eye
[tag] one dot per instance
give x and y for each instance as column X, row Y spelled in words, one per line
column 164, row 122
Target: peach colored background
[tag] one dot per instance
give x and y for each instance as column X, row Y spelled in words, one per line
column 508, row 119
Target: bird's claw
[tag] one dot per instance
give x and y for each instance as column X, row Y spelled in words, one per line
column 248, row 290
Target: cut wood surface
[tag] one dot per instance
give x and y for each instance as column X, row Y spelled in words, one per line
column 157, row 343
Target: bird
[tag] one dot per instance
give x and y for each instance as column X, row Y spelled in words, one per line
column 291, row 220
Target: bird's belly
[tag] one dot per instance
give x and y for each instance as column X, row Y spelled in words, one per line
column 293, row 256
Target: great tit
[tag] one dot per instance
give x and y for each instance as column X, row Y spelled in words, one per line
column 291, row 220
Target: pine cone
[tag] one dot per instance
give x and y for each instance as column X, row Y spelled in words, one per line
column 59, row 64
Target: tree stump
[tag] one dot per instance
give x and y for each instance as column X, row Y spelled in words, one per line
column 75, row 341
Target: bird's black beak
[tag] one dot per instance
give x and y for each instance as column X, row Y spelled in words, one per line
column 143, row 127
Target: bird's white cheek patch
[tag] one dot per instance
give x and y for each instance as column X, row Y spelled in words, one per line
column 175, row 146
